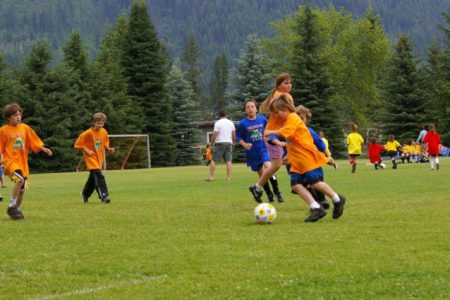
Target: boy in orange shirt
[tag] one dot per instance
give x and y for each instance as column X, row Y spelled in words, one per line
column 305, row 160
column 93, row 142
column 16, row 139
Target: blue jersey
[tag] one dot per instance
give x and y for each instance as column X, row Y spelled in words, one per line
column 252, row 131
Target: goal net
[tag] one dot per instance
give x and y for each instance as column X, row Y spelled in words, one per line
column 132, row 151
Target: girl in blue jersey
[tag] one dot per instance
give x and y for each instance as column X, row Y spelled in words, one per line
column 250, row 135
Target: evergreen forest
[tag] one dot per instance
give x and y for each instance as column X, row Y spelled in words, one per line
column 381, row 64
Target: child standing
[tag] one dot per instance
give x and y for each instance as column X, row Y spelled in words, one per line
column 250, row 135
column 374, row 153
column 392, row 146
column 93, row 142
column 208, row 154
column 16, row 139
column 434, row 141
column 283, row 85
column 354, row 142
column 305, row 160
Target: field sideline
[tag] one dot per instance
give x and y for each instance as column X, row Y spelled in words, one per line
column 168, row 234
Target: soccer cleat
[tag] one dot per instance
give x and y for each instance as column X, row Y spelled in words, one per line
column 338, row 209
column 325, row 204
column 256, row 194
column 279, row 197
column 85, row 199
column 316, row 214
column 354, row 168
column 14, row 213
column 1, row 198
column 106, row 200
column 270, row 197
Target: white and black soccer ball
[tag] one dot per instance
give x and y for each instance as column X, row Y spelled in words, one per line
column 265, row 213
column 383, row 165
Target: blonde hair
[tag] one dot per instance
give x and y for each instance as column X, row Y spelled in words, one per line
column 304, row 113
column 282, row 103
column 98, row 116
column 265, row 105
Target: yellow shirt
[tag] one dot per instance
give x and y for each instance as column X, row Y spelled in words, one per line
column 327, row 150
column 354, row 142
column 303, row 155
column 392, row 146
column 15, row 142
column 95, row 141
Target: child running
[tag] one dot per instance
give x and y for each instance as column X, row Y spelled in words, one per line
column 434, row 141
column 250, row 135
column 305, row 160
column 392, row 146
column 374, row 154
column 354, row 142
column 93, row 142
column 208, row 154
column 283, row 85
column 16, row 139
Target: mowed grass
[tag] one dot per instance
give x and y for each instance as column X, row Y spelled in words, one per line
column 168, row 234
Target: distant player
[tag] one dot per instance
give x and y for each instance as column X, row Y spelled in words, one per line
column 93, row 142
column 434, row 141
column 16, row 139
column 392, row 147
column 374, row 150
column 305, row 160
column 208, row 154
column 354, row 142
column 250, row 135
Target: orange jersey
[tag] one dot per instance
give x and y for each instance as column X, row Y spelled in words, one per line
column 95, row 141
column 303, row 155
column 15, row 142
column 274, row 123
column 208, row 154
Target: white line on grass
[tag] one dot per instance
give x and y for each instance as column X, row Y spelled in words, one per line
column 101, row 288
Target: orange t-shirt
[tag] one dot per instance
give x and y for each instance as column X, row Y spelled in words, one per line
column 15, row 142
column 95, row 141
column 303, row 155
column 208, row 154
column 274, row 123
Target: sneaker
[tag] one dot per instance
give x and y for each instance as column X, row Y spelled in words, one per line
column 394, row 166
column 106, row 200
column 279, row 197
column 338, row 209
column 256, row 194
column 316, row 214
column 325, row 204
column 270, row 197
column 85, row 199
column 14, row 213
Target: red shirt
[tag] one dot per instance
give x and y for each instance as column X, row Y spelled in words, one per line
column 374, row 152
column 433, row 140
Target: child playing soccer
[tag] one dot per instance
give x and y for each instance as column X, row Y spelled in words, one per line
column 392, row 146
column 250, row 135
column 16, row 139
column 434, row 141
column 374, row 153
column 354, row 142
column 208, row 154
column 93, row 142
column 305, row 160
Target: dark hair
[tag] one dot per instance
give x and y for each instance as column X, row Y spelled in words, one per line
column 11, row 109
column 222, row 113
column 250, row 100
column 265, row 106
column 353, row 126
column 373, row 140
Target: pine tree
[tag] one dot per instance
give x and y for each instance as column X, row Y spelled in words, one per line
column 404, row 102
column 253, row 75
column 185, row 130
column 219, row 83
column 143, row 66
column 311, row 79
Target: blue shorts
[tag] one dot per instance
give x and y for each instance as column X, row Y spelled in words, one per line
column 308, row 178
column 256, row 158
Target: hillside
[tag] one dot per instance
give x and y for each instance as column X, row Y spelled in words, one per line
column 220, row 26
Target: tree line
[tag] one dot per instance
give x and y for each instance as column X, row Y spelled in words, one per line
column 343, row 70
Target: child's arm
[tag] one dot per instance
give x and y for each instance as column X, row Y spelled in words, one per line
column 47, row 151
column 278, row 142
column 110, row 149
column 246, row 146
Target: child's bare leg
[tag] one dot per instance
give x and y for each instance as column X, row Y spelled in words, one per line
column 272, row 169
column 15, row 193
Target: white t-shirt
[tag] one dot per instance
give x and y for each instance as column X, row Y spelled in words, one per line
column 224, row 128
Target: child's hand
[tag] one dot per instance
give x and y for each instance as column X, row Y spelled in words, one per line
column 47, row 151
column 248, row 146
column 111, row 149
column 89, row 152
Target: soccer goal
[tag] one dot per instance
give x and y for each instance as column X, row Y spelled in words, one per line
column 132, row 151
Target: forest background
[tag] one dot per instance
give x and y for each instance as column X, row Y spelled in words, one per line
column 161, row 67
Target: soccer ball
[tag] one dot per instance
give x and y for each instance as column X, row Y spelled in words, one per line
column 265, row 213
column 383, row 165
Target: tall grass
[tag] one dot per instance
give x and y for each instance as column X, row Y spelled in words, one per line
column 167, row 234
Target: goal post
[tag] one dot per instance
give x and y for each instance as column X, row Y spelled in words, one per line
column 131, row 147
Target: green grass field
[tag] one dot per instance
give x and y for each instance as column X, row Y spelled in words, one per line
column 167, row 234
